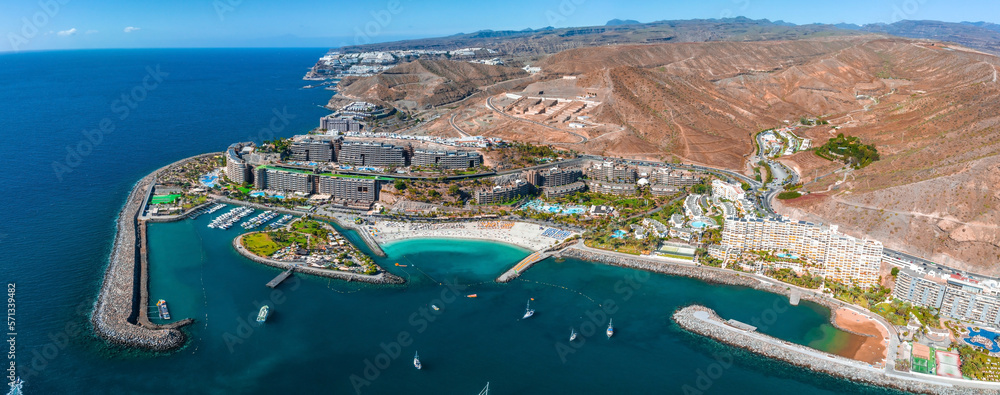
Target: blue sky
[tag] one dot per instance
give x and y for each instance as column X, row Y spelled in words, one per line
column 75, row 24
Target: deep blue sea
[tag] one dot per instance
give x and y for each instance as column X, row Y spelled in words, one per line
column 64, row 180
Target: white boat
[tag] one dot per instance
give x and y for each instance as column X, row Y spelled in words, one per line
column 572, row 334
column 528, row 312
column 262, row 315
column 416, row 360
column 435, row 307
column 611, row 329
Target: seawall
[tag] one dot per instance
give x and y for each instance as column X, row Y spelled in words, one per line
column 120, row 310
column 704, row 321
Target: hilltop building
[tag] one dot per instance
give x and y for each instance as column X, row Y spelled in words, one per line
column 314, row 149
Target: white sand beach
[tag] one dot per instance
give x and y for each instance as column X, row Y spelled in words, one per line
column 529, row 236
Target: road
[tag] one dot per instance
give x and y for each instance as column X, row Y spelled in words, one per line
column 489, row 104
column 454, row 125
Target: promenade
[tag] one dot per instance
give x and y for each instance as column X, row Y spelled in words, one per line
column 524, row 235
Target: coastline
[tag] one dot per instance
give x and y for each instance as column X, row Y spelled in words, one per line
column 120, row 315
column 520, row 234
column 382, row 278
column 703, row 321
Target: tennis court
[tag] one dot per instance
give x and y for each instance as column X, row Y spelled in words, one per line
column 168, row 199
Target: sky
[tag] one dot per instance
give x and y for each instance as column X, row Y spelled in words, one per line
column 31, row 25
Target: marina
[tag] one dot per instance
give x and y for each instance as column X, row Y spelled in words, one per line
column 231, row 217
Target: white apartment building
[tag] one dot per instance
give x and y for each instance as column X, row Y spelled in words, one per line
column 725, row 190
column 840, row 257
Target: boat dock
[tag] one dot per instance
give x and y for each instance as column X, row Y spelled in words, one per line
column 281, row 277
column 523, row 265
column 794, row 296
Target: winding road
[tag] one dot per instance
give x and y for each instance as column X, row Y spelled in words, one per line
column 489, row 104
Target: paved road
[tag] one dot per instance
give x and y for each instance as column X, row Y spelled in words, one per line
column 454, row 125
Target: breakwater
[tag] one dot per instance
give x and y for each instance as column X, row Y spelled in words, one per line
column 719, row 276
column 704, row 321
column 383, row 277
column 120, row 312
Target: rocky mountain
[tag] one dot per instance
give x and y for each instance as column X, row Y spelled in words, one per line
column 425, row 83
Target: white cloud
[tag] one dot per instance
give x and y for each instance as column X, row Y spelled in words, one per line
column 131, row 29
column 91, row 31
column 66, row 33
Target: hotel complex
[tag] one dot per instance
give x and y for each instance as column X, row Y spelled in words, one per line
column 955, row 296
column 237, row 168
column 839, row 257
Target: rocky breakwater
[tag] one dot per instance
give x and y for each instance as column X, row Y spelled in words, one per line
column 704, row 321
column 120, row 310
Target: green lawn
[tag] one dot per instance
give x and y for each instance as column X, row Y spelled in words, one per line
column 261, row 244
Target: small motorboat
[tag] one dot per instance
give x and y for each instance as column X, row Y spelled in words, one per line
column 471, row 296
column 611, row 328
column 435, row 307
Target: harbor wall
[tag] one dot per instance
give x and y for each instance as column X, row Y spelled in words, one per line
column 120, row 311
column 719, row 276
column 704, row 321
column 382, row 278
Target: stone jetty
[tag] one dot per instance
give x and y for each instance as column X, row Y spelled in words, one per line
column 120, row 312
column 704, row 321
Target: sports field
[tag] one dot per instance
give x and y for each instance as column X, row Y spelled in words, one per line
column 165, row 198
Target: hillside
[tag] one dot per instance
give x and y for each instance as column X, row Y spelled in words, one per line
column 425, row 83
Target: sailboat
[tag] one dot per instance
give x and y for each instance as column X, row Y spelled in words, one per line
column 485, row 391
column 528, row 312
column 416, row 360
column 611, row 328
column 572, row 334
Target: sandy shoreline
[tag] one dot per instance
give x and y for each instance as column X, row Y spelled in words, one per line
column 870, row 348
column 524, row 235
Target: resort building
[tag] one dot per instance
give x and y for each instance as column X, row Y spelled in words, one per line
column 611, row 187
column 564, row 190
column 673, row 178
column 348, row 189
column 611, row 172
column 840, row 257
column 503, row 194
column 555, row 177
column 446, row 159
column 367, row 153
column 237, row 168
column 725, row 190
column 955, row 296
column 289, row 180
column 333, row 124
column 314, row 149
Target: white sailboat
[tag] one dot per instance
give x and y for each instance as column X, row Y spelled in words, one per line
column 416, row 360
column 611, row 328
column 572, row 334
column 485, row 391
column 528, row 312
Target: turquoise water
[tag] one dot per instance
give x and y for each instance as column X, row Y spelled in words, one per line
column 787, row 255
column 698, row 224
column 321, row 331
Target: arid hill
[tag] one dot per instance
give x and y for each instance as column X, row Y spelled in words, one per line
column 424, row 83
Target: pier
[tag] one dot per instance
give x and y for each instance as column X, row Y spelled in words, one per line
column 281, row 277
column 523, row 265
column 794, row 296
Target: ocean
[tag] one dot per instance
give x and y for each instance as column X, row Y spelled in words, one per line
column 79, row 128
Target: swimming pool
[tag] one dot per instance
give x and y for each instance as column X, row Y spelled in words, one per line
column 618, row 234
column 698, row 224
column 786, row 255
